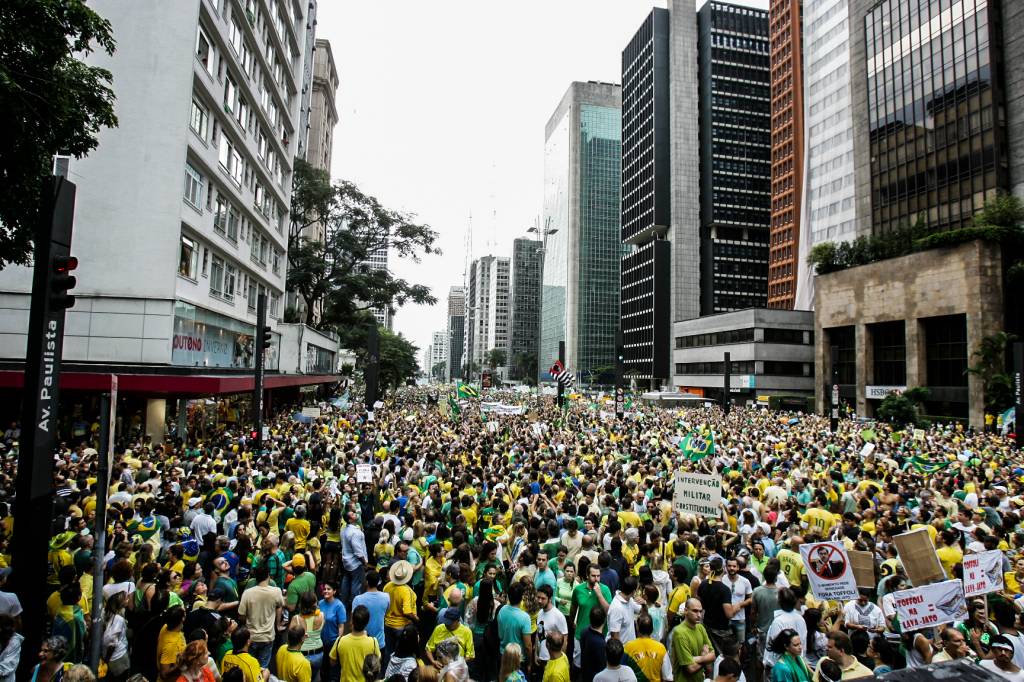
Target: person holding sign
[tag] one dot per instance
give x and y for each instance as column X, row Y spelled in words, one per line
column 862, row 614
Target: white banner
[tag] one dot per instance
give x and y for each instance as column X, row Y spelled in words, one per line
column 501, row 408
column 930, row 605
column 364, row 473
column 313, row 412
column 983, row 572
column 829, row 570
column 492, row 427
column 699, row 494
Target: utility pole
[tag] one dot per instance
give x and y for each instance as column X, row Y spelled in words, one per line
column 263, row 339
column 108, row 408
column 620, row 361
column 727, row 377
column 33, row 502
column 833, row 422
column 372, row 371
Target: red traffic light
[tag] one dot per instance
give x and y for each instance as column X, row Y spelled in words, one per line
column 253, row 434
column 64, row 264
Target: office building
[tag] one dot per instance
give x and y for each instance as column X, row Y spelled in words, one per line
column 487, row 310
column 735, row 157
column 937, row 142
column 771, row 354
column 660, row 199
column 176, row 243
column 582, row 254
column 438, row 355
column 526, row 267
column 456, row 331
column 828, row 201
column 787, row 131
column 383, row 314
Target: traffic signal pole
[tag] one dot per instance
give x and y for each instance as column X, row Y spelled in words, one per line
column 33, row 503
column 262, row 342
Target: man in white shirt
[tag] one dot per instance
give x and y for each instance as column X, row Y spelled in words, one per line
column 786, row 616
column 549, row 619
column 615, row 672
column 204, row 524
column 861, row 614
column 623, row 610
column 741, row 597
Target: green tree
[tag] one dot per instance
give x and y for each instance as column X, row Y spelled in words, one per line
column 524, row 367
column 50, row 103
column 437, row 371
column 495, row 358
column 397, row 354
column 904, row 408
column 336, row 273
column 989, row 366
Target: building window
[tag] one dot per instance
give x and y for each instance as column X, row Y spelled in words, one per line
column 785, row 336
column 230, row 94
column 220, row 214
column 217, row 276
column 890, row 353
column 235, row 36
column 946, row 348
column 276, row 263
column 251, row 294
column 188, row 262
column 204, row 51
column 230, row 160
column 193, row 187
column 843, row 339
column 230, row 275
column 198, row 120
column 275, row 303
column 234, row 220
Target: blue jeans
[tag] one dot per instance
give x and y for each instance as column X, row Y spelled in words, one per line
column 352, row 585
column 262, row 651
column 315, row 661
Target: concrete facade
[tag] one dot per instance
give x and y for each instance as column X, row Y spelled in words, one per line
column 157, row 267
column 965, row 279
column 305, row 350
column 323, row 113
column 771, row 352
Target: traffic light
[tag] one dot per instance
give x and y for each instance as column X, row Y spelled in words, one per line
column 267, row 338
column 253, row 434
column 61, row 282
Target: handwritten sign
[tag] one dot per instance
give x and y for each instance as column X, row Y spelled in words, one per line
column 364, row 473
column 983, row 572
column 313, row 412
column 829, row 570
column 930, row 605
column 699, row 494
column 918, row 556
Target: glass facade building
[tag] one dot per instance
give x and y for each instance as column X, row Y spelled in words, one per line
column 935, row 111
column 735, row 157
column 582, row 252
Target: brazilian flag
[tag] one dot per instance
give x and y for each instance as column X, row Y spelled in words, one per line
column 927, row 465
column 467, row 391
column 453, row 405
column 189, row 544
column 146, row 527
column 221, row 498
column 697, row 446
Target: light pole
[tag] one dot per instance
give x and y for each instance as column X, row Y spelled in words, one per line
column 542, row 251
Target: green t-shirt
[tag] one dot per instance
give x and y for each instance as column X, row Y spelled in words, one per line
column 585, row 599
column 687, row 644
column 299, row 586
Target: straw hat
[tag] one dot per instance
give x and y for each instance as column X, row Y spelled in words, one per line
column 400, row 572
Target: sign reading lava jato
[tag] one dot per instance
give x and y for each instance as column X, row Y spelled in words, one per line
column 930, row 605
column 699, row 494
column 983, row 572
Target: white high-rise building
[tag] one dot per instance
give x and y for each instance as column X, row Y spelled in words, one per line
column 438, row 353
column 829, row 211
column 487, row 308
column 181, row 215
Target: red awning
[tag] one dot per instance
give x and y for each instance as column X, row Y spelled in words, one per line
column 171, row 384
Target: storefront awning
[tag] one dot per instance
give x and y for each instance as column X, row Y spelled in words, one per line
column 171, row 384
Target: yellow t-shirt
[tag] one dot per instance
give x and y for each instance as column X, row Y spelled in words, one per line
column 630, row 553
column 249, row 665
column 792, row 565
column 649, row 656
column 678, row 597
column 629, row 519
column 292, row 666
column 168, row 645
column 949, row 557
column 557, row 669
column 301, row 529
column 350, row 651
column 462, row 634
column 403, row 604
column 819, row 521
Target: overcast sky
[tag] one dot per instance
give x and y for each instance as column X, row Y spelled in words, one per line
column 442, row 108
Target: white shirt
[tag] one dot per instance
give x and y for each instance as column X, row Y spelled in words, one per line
column 202, row 525
column 621, row 617
column 990, row 665
column 621, row 674
column 741, row 590
column 781, row 621
column 869, row 615
column 549, row 621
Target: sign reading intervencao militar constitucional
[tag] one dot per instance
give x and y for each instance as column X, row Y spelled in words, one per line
column 699, row 494
column 829, row 570
column 930, row 605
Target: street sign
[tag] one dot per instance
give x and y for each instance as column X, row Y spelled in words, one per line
column 835, row 394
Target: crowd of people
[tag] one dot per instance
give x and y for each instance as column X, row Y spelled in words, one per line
column 538, row 546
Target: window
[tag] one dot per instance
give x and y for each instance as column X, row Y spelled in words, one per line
column 946, row 349
column 234, row 220
column 220, row 214
column 275, row 303
column 261, row 144
column 188, row 262
column 276, row 262
column 204, row 51
column 235, row 36
column 889, row 341
column 230, row 94
column 242, row 113
column 230, row 275
column 193, row 187
column 217, row 276
column 198, row 119
column 251, row 294
column 230, row 159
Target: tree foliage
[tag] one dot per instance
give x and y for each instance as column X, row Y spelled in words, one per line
column 495, row 358
column 397, row 354
column 336, row 273
column 989, row 366
column 904, row 408
column 50, row 103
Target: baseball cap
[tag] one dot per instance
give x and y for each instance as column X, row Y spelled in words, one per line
column 299, row 560
column 450, row 615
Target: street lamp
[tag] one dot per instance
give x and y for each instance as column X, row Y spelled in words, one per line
column 547, row 232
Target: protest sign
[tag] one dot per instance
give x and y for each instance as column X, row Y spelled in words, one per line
column 918, row 556
column 699, row 494
column 867, row 449
column 863, row 568
column 313, row 412
column 829, row 570
column 983, row 572
column 492, row 427
column 364, row 473
column 930, row 605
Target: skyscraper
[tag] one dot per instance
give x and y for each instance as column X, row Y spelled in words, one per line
column 438, row 355
column 787, row 134
column 487, row 309
column 526, row 266
column 660, row 273
column 735, row 157
column 582, row 255
column 456, row 331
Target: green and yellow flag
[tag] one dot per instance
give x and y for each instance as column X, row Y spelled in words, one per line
column 929, row 465
column 453, row 406
column 697, row 446
column 467, row 391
